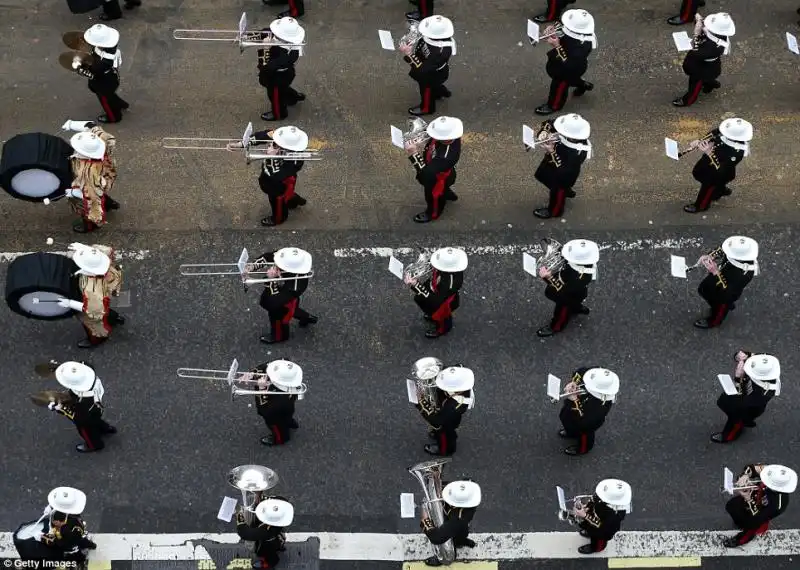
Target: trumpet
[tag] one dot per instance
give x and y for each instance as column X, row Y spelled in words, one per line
column 243, row 268
column 241, row 383
column 578, row 502
column 557, row 31
column 243, row 37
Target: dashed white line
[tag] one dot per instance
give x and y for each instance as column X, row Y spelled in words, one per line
column 134, row 254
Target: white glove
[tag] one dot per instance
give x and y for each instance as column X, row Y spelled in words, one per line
column 69, row 304
column 75, row 246
column 76, row 65
column 74, row 193
column 77, row 126
column 52, row 406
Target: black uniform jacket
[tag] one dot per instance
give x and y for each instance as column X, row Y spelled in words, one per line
column 720, row 167
column 448, row 418
column 268, row 539
column 751, row 401
column 568, row 287
column 586, row 414
column 568, row 61
column 429, row 64
column 761, row 506
column 601, row 522
column 70, row 537
column 437, row 162
column 277, row 295
column 103, row 78
column 276, row 66
column 275, row 409
column 725, row 288
column 274, row 171
column 82, row 412
column 560, row 168
column 432, row 294
column 455, row 526
column 703, row 62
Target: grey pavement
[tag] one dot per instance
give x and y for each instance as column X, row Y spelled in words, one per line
column 345, row 468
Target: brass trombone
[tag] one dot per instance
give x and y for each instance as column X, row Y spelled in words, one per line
column 243, row 268
column 243, row 37
column 199, row 143
column 236, row 379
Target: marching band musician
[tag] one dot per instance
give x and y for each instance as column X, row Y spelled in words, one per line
column 429, row 60
column 85, row 408
column 436, row 165
column 757, row 379
column 99, row 280
column 461, row 500
column 592, row 394
column 94, row 174
column 712, row 40
column 729, row 272
column 569, row 59
column 276, row 67
column 103, row 72
column 424, row 10
column 561, row 166
column 281, row 299
column 67, row 537
column 277, row 410
column 438, row 296
column 113, row 11
column 752, row 509
column 601, row 517
column 296, row 9
column 569, row 288
column 278, row 177
column 453, row 398
column 554, row 10
column 723, row 149
column 688, row 12
column 267, row 530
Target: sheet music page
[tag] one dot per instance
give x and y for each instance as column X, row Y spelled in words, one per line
column 386, row 39
column 243, row 24
column 791, row 41
column 682, row 41
column 553, row 386
column 411, row 387
column 677, row 266
column 562, row 499
column 227, row 509
column 248, row 133
column 407, row 506
column 727, row 480
column 727, row 384
column 396, row 267
column 528, row 136
column 529, row 264
column 397, row 138
column 98, row 390
column 671, row 148
column 533, row 30
column 241, row 265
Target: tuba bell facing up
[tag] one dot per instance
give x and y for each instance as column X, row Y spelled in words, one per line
column 552, row 260
column 253, row 481
column 420, row 271
column 424, row 372
column 413, row 35
column 429, row 475
column 417, row 134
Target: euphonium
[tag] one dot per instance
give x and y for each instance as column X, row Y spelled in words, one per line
column 429, row 475
column 420, row 271
column 413, row 35
column 417, row 133
column 569, row 516
column 552, row 260
column 253, row 481
column 424, row 373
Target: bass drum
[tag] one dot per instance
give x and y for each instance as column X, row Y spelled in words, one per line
column 28, row 547
column 35, row 282
column 35, row 166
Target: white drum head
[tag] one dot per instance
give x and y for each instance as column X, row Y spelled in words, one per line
column 35, row 183
column 30, row 531
column 47, row 307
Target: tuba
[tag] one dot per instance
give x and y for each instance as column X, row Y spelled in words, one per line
column 429, row 475
column 423, row 374
column 421, row 270
column 552, row 260
column 253, row 481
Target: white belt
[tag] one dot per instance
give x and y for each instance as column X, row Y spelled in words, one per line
column 441, row 68
column 715, row 59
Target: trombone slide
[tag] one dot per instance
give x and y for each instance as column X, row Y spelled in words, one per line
column 311, row 154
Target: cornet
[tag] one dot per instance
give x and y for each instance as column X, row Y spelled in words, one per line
column 557, row 32
column 233, row 377
column 243, row 37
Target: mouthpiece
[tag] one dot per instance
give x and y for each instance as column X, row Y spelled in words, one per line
column 46, row 201
column 49, row 240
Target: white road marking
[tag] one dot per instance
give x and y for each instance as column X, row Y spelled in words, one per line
column 513, row 249
column 403, row 547
column 137, row 254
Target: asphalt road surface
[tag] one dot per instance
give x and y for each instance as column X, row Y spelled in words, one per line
column 345, row 468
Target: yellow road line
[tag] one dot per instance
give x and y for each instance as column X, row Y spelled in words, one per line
column 99, row 565
column 454, row 566
column 662, row 562
column 235, row 564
